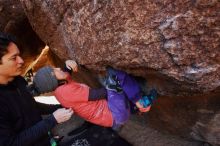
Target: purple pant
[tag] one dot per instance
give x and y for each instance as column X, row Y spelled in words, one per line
column 119, row 106
column 119, row 102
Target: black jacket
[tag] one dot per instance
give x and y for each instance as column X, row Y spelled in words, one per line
column 20, row 117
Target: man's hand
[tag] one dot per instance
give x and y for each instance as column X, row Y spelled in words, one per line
column 61, row 115
column 72, row 65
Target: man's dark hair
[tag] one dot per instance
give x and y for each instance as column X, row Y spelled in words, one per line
column 5, row 39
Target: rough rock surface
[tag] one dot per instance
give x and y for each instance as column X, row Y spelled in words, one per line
column 173, row 41
column 208, row 130
column 14, row 21
column 175, row 45
column 11, row 14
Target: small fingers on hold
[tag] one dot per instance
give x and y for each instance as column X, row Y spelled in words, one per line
column 71, row 64
column 75, row 69
column 67, row 66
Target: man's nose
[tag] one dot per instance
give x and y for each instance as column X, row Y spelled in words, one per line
column 20, row 60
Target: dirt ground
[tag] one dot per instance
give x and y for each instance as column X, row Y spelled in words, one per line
column 139, row 134
column 135, row 131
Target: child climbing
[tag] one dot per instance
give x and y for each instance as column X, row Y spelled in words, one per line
column 109, row 108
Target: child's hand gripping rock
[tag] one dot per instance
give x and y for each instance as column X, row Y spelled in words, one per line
column 72, row 65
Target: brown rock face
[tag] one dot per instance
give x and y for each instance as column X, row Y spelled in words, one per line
column 173, row 41
column 174, row 45
column 11, row 14
column 14, row 21
column 208, row 131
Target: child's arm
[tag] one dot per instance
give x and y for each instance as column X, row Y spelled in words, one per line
column 97, row 94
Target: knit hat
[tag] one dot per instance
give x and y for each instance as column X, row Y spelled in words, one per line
column 45, row 80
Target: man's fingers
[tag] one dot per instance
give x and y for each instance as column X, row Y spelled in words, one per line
column 69, row 110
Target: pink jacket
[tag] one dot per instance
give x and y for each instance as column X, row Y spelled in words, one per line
column 75, row 95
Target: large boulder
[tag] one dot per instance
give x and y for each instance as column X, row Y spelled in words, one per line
column 174, row 45
column 175, row 42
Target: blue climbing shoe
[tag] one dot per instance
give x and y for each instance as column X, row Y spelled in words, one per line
column 148, row 99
